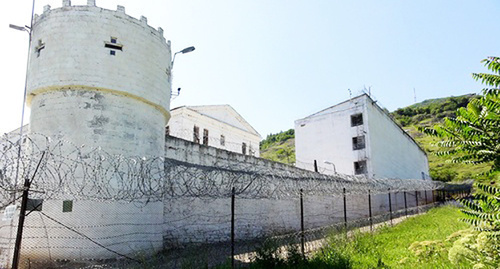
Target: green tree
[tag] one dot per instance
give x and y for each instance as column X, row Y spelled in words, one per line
column 473, row 136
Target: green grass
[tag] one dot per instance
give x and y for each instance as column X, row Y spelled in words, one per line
column 388, row 247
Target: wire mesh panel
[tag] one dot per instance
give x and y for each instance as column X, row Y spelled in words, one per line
column 90, row 207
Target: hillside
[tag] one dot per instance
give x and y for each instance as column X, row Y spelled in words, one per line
column 280, row 147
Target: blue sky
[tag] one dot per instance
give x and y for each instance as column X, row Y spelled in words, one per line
column 276, row 61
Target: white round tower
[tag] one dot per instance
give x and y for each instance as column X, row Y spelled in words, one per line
column 98, row 78
column 101, row 78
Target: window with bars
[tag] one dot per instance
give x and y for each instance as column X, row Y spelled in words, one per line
column 244, row 148
column 356, row 119
column 196, row 134
column 360, row 168
column 358, row 142
column 205, row 137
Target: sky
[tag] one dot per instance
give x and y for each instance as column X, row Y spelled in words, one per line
column 276, row 61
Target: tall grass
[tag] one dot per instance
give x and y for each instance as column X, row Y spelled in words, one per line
column 388, row 247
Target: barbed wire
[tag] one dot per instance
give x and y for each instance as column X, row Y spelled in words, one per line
column 68, row 170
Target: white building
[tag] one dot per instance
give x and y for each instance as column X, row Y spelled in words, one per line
column 218, row 126
column 358, row 137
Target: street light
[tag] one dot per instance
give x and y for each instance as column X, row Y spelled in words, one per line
column 27, row 29
column 186, row 50
column 20, row 28
column 334, row 169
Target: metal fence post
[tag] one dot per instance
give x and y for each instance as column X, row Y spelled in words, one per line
column 406, row 205
column 233, row 196
column 416, row 199
column 20, row 226
column 345, row 212
column 390, row 205
column 22, row 216
column 370, row 210
column 302, row 239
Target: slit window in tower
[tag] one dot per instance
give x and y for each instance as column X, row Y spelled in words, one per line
column 222, row 140
column 356, row 119
column 39, row 47
column 113, row 45
column 205, row 137
column 196, row 134
column 244, row 148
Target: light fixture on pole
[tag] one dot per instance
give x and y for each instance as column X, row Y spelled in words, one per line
column 334, row 169
column 28, row 30
column 186, row 50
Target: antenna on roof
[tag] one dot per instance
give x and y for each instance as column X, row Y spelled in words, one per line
column 350, row 93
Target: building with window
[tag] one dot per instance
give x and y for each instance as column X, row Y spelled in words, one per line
column 218, row 126
column 357, row 137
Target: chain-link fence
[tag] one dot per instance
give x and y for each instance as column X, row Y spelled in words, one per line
column 87, row 207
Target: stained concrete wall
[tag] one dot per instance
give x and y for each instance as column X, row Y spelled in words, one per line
column 78, row 90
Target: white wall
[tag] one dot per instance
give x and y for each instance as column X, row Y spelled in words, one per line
column 394, row 154
column 327, row 135
column 78, row 91
column 184, row 119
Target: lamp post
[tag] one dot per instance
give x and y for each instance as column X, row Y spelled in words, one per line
column 334, row 169
column 28, row 30
column 186, row 50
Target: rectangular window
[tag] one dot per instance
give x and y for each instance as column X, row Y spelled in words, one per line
column 360, row 168
column 67, row 206
column 196, row 134
column 167, row 130
column 244, row 148
column 205, row 137
column 358, row 142
column 34, row 205
column 222, row 140
column 356, row 119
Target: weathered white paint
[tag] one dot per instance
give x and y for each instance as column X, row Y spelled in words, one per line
column 219, row 120
column 327, row 136
column 79, row 91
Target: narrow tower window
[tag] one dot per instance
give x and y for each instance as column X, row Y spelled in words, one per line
column 222, row 140
column 39, row 47
column 113, row 45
